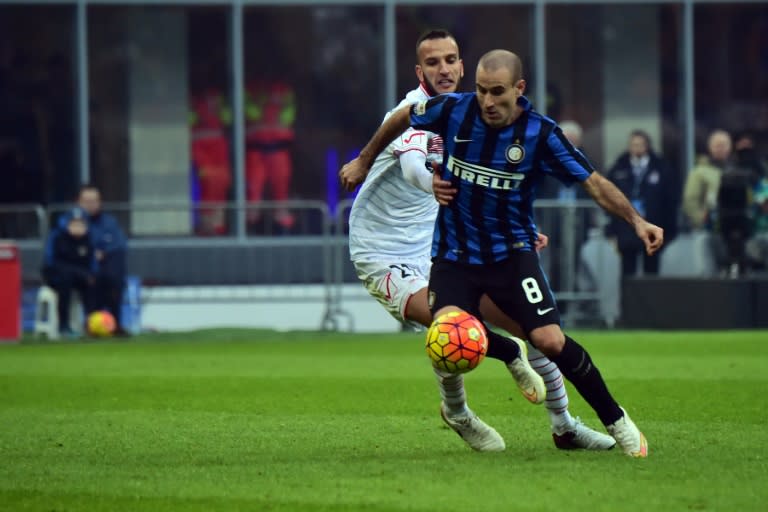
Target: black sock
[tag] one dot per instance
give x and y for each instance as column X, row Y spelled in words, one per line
column 577, row 366
column 501, row 348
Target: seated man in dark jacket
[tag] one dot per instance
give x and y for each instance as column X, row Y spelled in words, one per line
column 111, row 248
column 69, row 264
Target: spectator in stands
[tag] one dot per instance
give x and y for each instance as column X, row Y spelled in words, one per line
column 735, row 220
column 111, row 251
column 70, row 265
column 210, row 118
column 703, row 182
column 757, row 246
column 270, row 116
column 748, row 159
column 646, row 179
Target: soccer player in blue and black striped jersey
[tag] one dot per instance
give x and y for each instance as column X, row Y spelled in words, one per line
column 390, row 241
column 497, row 151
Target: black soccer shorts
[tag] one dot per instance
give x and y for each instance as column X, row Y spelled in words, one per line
column 517, row 285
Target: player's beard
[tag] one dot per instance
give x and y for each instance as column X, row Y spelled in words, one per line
column 431, row 89
column 428, row 86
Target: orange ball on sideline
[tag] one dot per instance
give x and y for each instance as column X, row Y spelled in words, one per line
column 101, row 324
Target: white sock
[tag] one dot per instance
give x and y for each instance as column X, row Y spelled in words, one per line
column 557, row 396
column 452, row 391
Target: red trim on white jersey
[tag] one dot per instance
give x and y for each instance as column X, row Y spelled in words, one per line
column 398, row 152
column 405, row 307
column 387, row 282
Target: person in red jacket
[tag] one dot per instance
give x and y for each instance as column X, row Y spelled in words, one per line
column 210, row 117
column 270, row 112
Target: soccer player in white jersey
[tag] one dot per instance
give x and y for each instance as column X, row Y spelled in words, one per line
column 390, row 238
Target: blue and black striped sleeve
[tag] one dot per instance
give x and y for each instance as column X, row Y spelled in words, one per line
column 563, row 161
column 430, row 115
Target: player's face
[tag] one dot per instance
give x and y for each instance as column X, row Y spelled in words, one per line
column 439, row 67
column 497, row 95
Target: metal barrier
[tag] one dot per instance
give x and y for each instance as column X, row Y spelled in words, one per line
column 568, row 225
column 339, row 261
column 270, row 264
column 23, row 221
column 183, row 219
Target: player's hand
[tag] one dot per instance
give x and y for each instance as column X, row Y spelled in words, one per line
column 541, row 242
column 444, row 190
column 352, row 174
column 651, row 235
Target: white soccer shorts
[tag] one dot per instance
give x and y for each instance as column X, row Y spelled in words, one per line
column 393, row 284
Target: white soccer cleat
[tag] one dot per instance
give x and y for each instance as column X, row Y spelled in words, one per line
column 474, row 431
column 628, row 436
column 530, row 383
column 580, row 436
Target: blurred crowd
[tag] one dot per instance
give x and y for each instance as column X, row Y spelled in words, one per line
column 724, row 195
column 723, row 198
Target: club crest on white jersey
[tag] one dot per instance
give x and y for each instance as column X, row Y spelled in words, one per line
column 419, row 108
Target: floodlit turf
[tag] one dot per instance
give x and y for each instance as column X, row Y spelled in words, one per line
column 260, row 421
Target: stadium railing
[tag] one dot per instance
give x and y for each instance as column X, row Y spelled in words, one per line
column 268, row 263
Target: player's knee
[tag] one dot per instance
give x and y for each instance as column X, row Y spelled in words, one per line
column 417, row 308
column 548, row 339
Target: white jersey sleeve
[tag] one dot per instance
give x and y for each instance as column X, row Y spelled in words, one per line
column 391, row 219
column 414, row 168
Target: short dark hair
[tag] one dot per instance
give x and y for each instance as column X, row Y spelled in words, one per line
column 643, row 135
column 433, row 33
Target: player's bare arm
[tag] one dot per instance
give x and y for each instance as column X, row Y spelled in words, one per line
column 613, row 200
column 354, row 172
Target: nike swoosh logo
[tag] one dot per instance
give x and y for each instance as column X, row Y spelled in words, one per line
column 544, row 311
column 455, row 139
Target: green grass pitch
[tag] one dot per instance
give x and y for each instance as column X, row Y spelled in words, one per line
column 261, row 421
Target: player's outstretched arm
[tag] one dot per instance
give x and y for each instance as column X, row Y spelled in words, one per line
column 613, row 200
column 354, row 172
